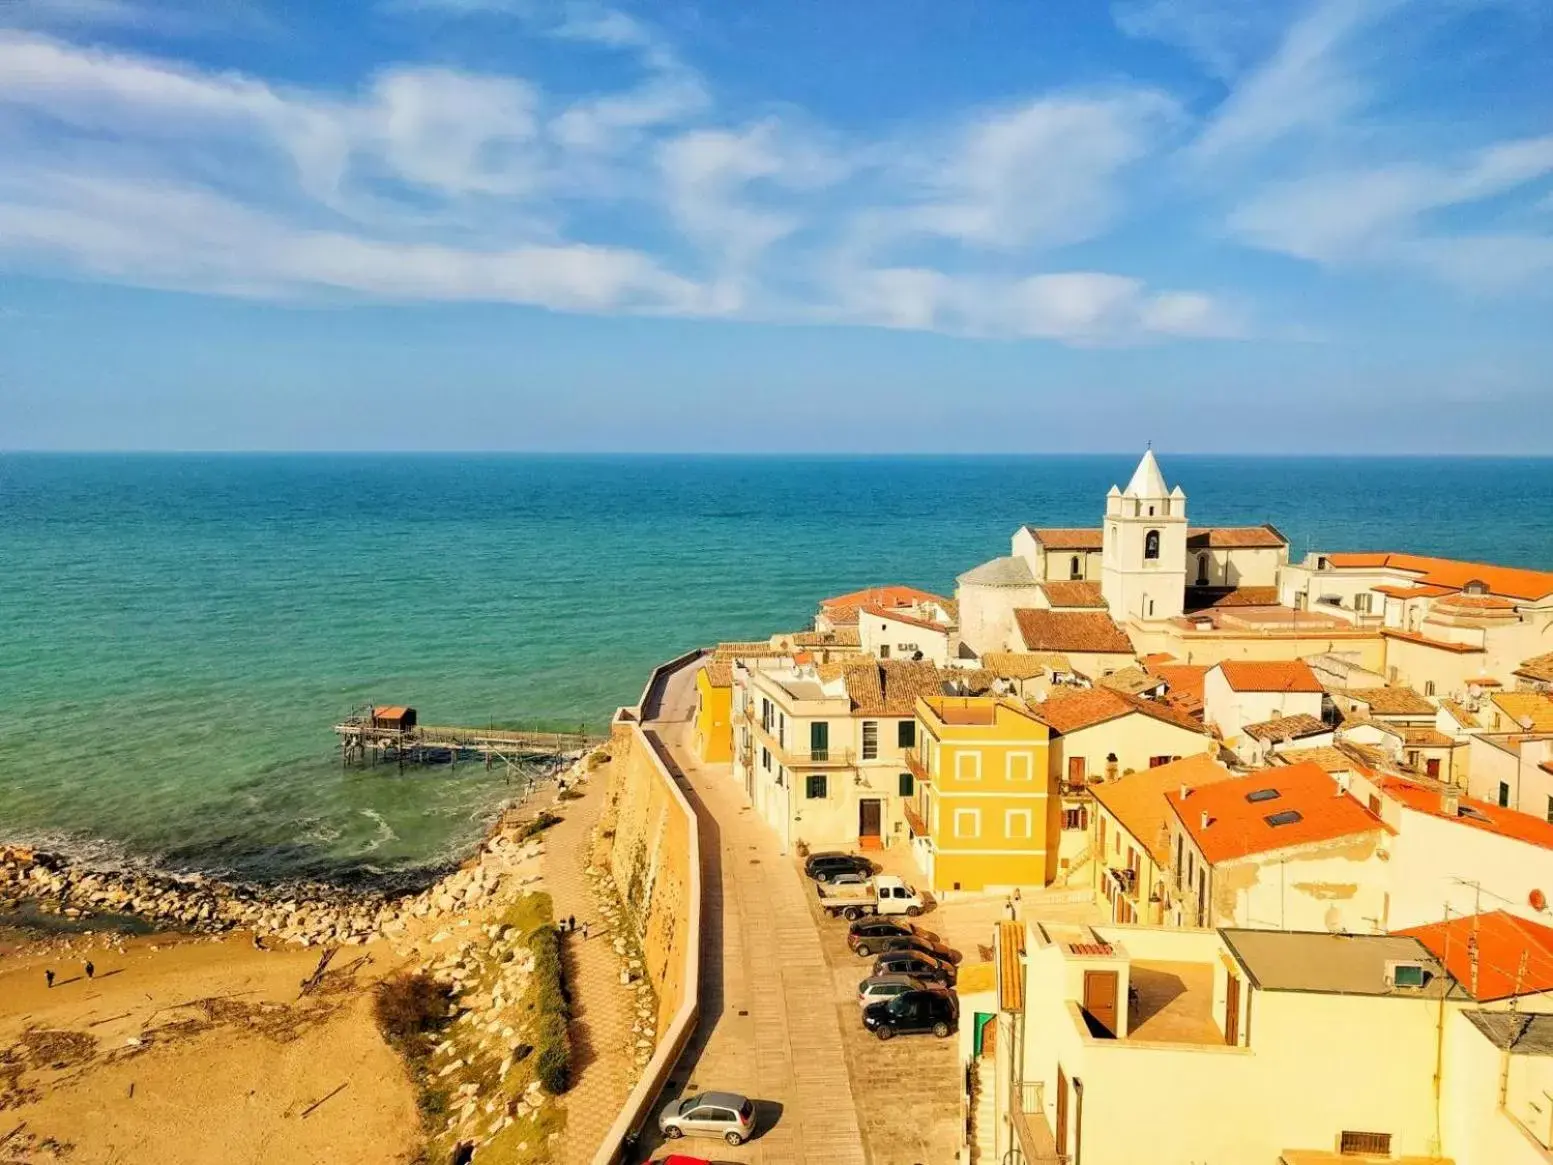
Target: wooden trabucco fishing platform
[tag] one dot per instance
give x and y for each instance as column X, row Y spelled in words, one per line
column 392, row 735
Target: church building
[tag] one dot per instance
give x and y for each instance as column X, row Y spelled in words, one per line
column 1143, row 564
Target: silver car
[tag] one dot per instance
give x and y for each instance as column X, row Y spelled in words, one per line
column 710, row 1114
column 882, row 988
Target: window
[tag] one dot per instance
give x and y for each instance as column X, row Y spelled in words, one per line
column 1076, row 568
column 1202, row 570
column 906, row 733
column 907, row 785
column 884, row 651
column 765, row 758
column 1150, row 612
column 870, row 739
column 814, row 787
column 1362, row 602
column 1078, row 818
column 1021, row 766
column 967, row 766
column 1428, row 687
column 1286, row 817
column 1151, row 544
column 1262, row 795
column 819, row 740
column 1178, row 861
column 1202, row 897
column 1364, row 1144
column 1156, row 761
column 765, row 713
column 1504, row 795
column 1016, row 824
column 1375, row 804
column 1550, row 810
column 967, row 822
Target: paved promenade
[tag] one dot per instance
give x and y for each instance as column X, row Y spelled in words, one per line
column 769, row 1026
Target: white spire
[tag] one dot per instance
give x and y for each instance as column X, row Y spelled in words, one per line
column 1147, row 481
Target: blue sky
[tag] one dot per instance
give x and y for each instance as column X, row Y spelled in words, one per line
column 877, row 226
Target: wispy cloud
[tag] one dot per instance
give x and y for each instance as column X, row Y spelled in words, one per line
column 437, row 183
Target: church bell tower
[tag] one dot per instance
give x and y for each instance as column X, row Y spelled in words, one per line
column 1143, row 565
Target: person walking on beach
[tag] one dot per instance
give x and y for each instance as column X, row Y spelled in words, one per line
column 584, row 931
column 48, row 977
column 90, row 969
column 571, row 923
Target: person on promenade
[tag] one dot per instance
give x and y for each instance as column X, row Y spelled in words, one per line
column 585, row 931
column 48, row 977
column 90, row 969
column 571, row 923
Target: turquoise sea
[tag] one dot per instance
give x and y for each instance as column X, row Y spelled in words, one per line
column 178, row 633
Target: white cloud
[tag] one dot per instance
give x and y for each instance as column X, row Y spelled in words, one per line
column 1043, row 173
column 430, row 183
column 1380, row 216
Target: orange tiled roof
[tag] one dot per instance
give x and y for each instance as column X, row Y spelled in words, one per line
column 901, row 617
column 1473, row 813
column 1025, row 665
column 1011, row 970
column 841, row 637
column 1509, row 581
column 1538, row 667
column 390, row 712
column 1411, row 592
column 1238, row 827
column 1463, row 716
column 890, row 687
column 1460, row 602
column 1218, row 598
column 884, row 596
column 1073, row 709
column 1426, row 738
column 1523, row 706
column 1287, row 728
column 1235, row 537
column 1425, row 641
column 1093, row 631
column 1068, row 538
column 719, row 673
column 1138, row 799
column 1501, row 940
column 1073, row 593
column 1391, row 701
column 1244, row 675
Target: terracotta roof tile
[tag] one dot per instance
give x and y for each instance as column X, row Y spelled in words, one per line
column 1426, row 738
column 719, row 673
column 1244, row 675
column 1460, row 602
column 1184, row 683
column 1238, row 827
column 890, row 687
column 882, row 596
column 901, row 617
column 1501, row 940
column 1327, row 757
column 1011, row 970
column 1521, row 707
column 1132, row 680
column 1024, row 665
column 1287, row 728
column 1538, row 667
column 1471, row 813
column 1218, row 598
column 1400, row 701
column 841, row 637
column 1412, row 592
column 1461, row 713
column 1070, row 631
column 1137, row 800
column 751, row 650
column 1509, row 581
column 1425, row 641
column 1073, row 709
column 1235, row 538
column 1073, row 594
column 1068, row 538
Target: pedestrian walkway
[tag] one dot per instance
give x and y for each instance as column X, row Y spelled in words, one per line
column 768, row 1025
column 602, row 1010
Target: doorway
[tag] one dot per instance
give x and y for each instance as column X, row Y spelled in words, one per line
column 1232, row 1011
column 1100, row 1000
column 870, row 817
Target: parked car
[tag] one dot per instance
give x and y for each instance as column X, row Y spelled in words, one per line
column 850, row 878
column 823, row 867
column 934, row 1010
column 865, row 935
column 710, row 1114
column 919, row 943
column 916, row 964
column 884, row 894
column 878, row 988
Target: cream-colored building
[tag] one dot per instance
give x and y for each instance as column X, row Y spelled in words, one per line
column 1286, row 848
column 921, row 632
column 1118, row 1045
column 1237, row 693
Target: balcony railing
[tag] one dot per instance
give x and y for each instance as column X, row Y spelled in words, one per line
column 1036, row 1141
column 914, row 764
column 808, row 756
column 914, row 819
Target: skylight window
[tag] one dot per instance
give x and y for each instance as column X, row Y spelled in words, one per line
column 1287, row 817
column 1263, row 795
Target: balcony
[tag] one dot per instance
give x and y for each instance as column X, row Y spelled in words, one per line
column 914, row 819
column 809, row 757
column 1036, row 1142
column 916, row 767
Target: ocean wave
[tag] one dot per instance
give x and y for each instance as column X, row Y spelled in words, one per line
column 385, row 832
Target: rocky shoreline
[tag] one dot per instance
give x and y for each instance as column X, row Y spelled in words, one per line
column 306, row 914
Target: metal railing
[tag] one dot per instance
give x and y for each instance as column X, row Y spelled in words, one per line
column 914, row 765
column 1037, row 1144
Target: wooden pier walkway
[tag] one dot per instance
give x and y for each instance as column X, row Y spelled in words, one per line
column 366, row 738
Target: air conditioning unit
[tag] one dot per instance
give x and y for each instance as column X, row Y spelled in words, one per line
column 1404, row 975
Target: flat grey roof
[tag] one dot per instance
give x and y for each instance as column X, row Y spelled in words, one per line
column 1335, row 964
column 1521, row 1034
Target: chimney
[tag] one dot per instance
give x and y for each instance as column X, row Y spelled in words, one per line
column 1186, row 791
column 1450, row 801
column 1204, row 819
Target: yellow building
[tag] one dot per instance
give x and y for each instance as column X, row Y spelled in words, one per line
column 714, row 711
column 982, row 817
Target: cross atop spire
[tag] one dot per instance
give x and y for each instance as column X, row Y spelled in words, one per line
column 1147, row 481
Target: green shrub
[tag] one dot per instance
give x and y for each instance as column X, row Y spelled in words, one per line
column 553, row 1064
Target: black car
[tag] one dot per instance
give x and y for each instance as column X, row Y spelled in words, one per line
column 915, row 963
column 823, row 867
column 934, row 1010
column 919, row 943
